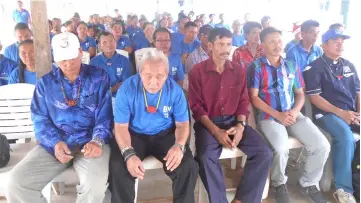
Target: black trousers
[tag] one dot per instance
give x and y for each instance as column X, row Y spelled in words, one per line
column 184, row 178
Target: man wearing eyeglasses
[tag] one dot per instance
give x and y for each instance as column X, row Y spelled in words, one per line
column 306, row 51
column 162, row 41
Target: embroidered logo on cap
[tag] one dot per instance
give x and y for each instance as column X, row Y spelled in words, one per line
column 64, row 42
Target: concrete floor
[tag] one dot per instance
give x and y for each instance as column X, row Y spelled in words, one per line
column 156, row 188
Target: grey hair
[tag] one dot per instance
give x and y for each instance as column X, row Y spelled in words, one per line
column 154, row 56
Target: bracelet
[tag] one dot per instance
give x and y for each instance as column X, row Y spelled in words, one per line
column 125, row 149
column 128, row 153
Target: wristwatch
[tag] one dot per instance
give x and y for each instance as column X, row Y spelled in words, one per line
column 182, row 147
column 243, row 123
column 99, row 141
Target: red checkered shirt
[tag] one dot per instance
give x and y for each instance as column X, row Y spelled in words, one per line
column 243, row 56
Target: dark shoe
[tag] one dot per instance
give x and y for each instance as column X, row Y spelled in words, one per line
column 315, row 195
column 281, row 194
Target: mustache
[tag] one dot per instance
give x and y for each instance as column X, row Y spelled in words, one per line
column 225, row 54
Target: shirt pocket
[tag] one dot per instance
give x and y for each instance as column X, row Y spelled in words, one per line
column 89, row 101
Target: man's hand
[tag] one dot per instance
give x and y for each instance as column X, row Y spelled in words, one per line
column 223, row 138
column 285, row 118
column 349, row 117
column 356, row 118
column 237, row 131
column 135, row 167
column 62, row 152
column 92, row 150
column 294, row 114
column 174, row 158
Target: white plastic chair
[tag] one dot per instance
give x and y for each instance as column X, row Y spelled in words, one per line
column 123, row 53
column 232, row 51
column 86, row 58
column 139, row 55
column 15, row 123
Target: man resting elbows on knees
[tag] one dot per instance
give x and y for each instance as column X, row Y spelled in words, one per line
column 151, row 118
column 72, row 116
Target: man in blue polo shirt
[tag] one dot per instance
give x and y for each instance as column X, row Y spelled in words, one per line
column 133, row 28
column 6, row 67
column 117, row 66
column 144, row 39
column 333, row 87
column 178, row 34
column 190, row 42
column 22, row 33
column 151, row 118
column 222, row 23
column 96, row 23
column 86, row 43
column 238, row 39
column 162, row 39
column 306, row 51
column 21, row 15
column 211, row 20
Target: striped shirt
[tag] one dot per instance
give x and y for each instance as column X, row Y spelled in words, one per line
column 276, row 84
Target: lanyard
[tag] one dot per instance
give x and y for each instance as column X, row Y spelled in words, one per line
column 151, row 109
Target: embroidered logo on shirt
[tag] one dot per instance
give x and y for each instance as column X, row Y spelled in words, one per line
column 4, row 76
column 346, row 69
column 166, row 111
column 119, row 71
column 87, row 44
column 174, row 70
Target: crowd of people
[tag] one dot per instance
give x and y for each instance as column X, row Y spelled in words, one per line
column 188, row 70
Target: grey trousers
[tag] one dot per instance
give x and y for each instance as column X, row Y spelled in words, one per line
column 309, row 135
column 38, row 168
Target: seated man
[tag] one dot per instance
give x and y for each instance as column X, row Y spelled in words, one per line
column 276, row 90
column 117, row 66
column 238, row 38
column 189, row 43
column 22, row 33
column 162, row 39
column 252, row 50
column 6, row 67
column 144, row 39
column 72, row 116
column 151, row 118
column 333, row 87
column 219, row 101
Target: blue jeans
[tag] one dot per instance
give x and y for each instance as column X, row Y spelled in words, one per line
column 343, row 147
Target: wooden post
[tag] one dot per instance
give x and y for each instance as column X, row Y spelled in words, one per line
column 41, row 37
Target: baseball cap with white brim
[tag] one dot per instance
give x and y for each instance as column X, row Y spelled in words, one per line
column 65, row 46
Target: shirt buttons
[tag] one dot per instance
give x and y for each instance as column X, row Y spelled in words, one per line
column 222, row 109
column 222, row 98
column 221, row 87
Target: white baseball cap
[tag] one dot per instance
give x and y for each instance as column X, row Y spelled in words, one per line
column 65, row 46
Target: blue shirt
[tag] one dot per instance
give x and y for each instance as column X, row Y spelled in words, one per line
column 180, row 47
column 29, row 77
column 6, row 67
column 335, row 81
column 12, row 52
column 276, row 85
column 55, row 121
column 118, row 67
column 176, row 70
column 130, row 106
column 140, row 41
column 221, row 25
column 131, row 31
column 290, row 45
column 88, row 43
column 238, row 40
column 98, row 26
column 301, row 57
column 123, row 42
column 21, row 16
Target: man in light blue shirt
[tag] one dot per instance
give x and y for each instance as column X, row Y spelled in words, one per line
column 72, row 117
column 133, row 27
column 22, row 33
column 238, row 39
column 144, row 39
column 21, row 15
column 306, row 51
column 211, row 20
column 151, row 118
column 222, row 23
column 6, row 67
column 162, row 41
column 117, row 66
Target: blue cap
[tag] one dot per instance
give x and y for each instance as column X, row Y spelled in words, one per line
column 333, row 34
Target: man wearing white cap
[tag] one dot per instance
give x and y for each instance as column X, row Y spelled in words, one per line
column 72, row 117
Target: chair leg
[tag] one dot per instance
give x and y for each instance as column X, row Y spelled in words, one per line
column 136, row 189
column 47, row 192
column 233, row 163
column 58, row 188
column 202, row 193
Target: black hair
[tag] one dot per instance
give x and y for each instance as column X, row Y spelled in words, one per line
column 134, row 17
column 219, row 32
column 335, row 26
column 196, row 20
column 190, row 24
column 54, row 19
column 21, row 26
column 91, row 27
column 268, row 31
column 306, row 26
column 22, row 65
column 182, row 17
column 105, row 34
column 205, row 29
column 67, row 23
column 83, row 23
column 162, row 29
column 76, row 15
column 210, row 15
column 50, row 22
column 250, row 25
column 116, row 10
column 117, row 22
column 265, row 19
column 145, row 25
